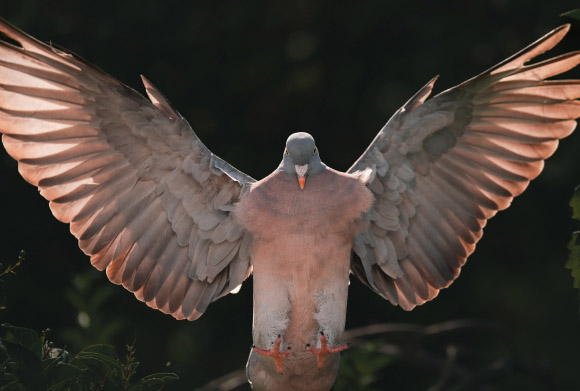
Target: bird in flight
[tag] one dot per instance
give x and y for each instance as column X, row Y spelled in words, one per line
column 180, row 227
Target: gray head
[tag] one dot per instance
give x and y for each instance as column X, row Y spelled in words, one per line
column 301, row 157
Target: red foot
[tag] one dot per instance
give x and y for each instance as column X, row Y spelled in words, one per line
column 324, row 350
column 274, row 353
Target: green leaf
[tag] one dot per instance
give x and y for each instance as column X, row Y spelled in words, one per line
column 100, row 362
column 28, row 339
column 12, row 386
column 61, row 375
column 26, row 365
column 574, row 14
column 154, row 382
column 101, row 349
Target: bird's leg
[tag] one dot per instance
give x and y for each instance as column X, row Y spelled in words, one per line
column 330, row 315
column 275, row 353
column 324, row 350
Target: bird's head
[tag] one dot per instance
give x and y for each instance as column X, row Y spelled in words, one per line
column 301, row 157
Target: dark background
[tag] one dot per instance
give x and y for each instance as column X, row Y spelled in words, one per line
column 246, row 74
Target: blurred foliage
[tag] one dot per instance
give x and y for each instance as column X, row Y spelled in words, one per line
column 29, row 362
column 574, row 245
column 90, row 298
column 246, row 75
column 468, row 355
column 361, row 367
column 456, row 355
column 574, row 14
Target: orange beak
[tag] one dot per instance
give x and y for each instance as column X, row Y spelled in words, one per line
column 301, row 174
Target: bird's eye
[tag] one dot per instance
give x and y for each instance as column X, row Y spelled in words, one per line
column 286, row 151
column 315, row 150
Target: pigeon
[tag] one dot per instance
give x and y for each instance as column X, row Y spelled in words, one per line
column 180, row 227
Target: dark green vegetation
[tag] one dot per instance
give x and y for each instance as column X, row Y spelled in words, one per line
column 574, row 245
column 252, row 73
column 30, row 362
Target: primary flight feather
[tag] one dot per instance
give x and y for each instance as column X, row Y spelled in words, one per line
column 180, row 227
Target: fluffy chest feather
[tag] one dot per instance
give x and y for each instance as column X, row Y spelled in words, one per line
column 329, row 204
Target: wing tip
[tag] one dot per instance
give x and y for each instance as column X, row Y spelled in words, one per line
column 159, row 100
column 24, row 40
column 539, row 46
column 421, row 96
column 564, row 27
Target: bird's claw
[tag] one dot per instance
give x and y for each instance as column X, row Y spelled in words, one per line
column 324, row 350
column 275, row 353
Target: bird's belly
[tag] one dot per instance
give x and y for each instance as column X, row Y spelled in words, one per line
column 314, row 268
column 302, row 266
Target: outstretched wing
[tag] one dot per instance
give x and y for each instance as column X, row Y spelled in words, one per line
column 444, row 166
column 145, row 198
